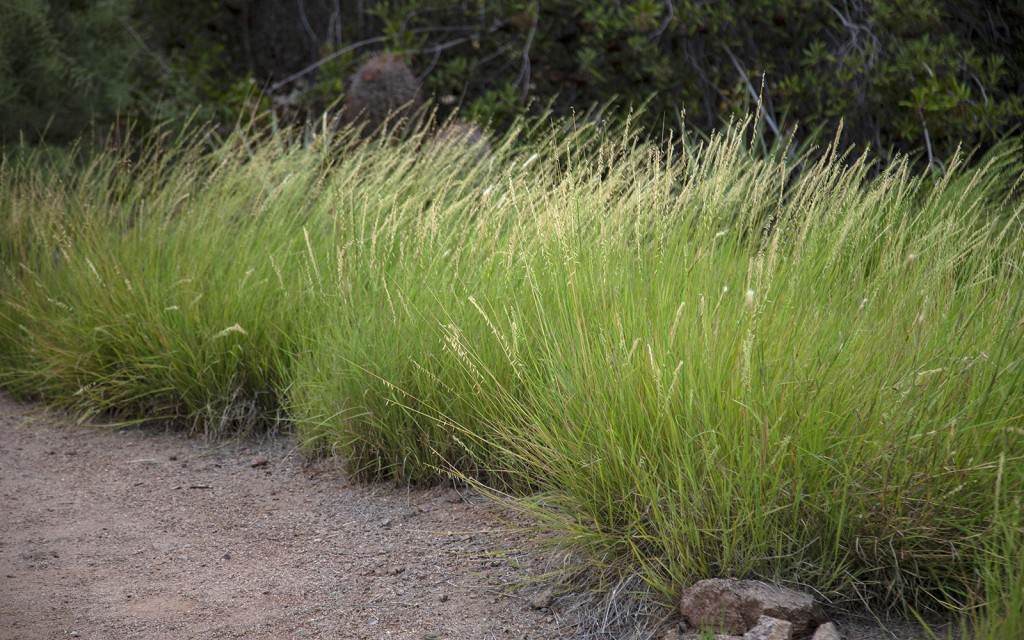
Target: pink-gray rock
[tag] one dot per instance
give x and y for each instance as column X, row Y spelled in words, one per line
column 734, row 606
column 543, row 600
column 768, row 628
column 827, row 631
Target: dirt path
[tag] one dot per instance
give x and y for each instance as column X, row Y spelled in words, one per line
column 142, row 534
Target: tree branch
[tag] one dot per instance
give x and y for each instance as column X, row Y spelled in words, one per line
column 524, row 70
column 434, row 49
column 757, row 98
column 324, row 60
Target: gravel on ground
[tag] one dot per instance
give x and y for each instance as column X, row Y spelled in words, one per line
column 144, row 533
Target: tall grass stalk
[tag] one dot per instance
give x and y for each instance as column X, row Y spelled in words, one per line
column 701, row 362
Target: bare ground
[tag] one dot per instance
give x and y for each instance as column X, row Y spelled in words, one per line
column 147, row 534
column 143, row 533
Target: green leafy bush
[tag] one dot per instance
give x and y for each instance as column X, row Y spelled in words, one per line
column 61, row 66
column 903, row 76
column 917, row 76
column 68, row 69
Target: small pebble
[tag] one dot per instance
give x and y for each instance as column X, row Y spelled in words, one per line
column 542, row 600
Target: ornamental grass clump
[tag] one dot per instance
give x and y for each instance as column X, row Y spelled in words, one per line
column 162, row 287
column 693, row 362
column 706, row 363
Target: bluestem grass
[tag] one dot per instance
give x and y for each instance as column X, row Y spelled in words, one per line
column 689, row 363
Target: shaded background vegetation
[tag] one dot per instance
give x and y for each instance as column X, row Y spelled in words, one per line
column 905, row 75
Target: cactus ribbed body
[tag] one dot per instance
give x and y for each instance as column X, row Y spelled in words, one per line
column 382, row 90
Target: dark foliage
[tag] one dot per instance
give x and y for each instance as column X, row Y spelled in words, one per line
column 904, row 75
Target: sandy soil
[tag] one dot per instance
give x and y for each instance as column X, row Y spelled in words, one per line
column 143, row 533
column 146, row 534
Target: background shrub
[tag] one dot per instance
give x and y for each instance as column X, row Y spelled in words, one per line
column 905, row 76
column 61, row 64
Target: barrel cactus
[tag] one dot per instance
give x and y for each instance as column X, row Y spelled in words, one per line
column 381, row 91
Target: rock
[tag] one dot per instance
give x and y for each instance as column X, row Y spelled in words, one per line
column 735, row 606
column 543, row 599
column 768, row 628
column 462, row 138
column 827, row 631
column 259, row 461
